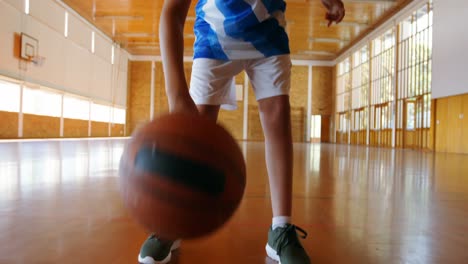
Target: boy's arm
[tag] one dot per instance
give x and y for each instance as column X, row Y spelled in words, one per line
column 171, row 29
column 336, row 10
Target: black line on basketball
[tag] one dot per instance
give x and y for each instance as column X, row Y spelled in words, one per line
column 181, row 170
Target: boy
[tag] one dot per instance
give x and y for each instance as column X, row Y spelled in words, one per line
column 232, row 36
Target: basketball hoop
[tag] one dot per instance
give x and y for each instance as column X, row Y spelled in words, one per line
column 37, row 60
column 30, row 50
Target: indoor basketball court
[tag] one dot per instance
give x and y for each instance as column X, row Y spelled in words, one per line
column 379, row 107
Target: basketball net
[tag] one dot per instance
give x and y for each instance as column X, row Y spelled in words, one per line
column 37, row 60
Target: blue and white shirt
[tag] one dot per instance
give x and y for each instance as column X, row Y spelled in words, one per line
column 240, row 29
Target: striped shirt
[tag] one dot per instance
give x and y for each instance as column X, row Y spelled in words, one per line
column 240, row 29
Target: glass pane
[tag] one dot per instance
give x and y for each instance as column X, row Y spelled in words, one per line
column 356, row 59
column 40, row 102
column 346, row 65
column 119, row 116
column 364, row 54
column 10, row 99
column 75, row 108
column 422, row 19
column 410, row 116
column 100, row 113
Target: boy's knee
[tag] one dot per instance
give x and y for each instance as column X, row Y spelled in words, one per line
column 275, row 110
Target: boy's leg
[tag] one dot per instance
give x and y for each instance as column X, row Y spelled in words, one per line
column 270, row 79
column 276, row 123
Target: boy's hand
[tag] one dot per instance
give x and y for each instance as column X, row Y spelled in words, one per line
column 336, row 11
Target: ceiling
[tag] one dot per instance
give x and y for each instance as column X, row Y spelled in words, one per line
column 134, row 24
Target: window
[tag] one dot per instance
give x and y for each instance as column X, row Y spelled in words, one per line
column 410, row 117
column 360, row 77
column 41, row 102
column 10, row 99
column 383, row 68
column 38, row 100
column 343, row 86
column 100, row 113
column 75, row 108
column 316, row 126
column 118, row 116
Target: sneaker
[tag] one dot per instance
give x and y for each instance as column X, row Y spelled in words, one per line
column 157, row 251
column 284, row 246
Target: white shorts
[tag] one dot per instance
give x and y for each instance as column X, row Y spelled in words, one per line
column 212, row 81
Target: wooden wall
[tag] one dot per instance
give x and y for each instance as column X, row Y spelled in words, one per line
column 117, row 130
column 36, row 126
column 298, row 98
column 138, row 94
column 323, row 98
column 451, row 124
column 333, row 117
column 322, row 91
column 75, row 128
column 99, row 129
column 9, row 127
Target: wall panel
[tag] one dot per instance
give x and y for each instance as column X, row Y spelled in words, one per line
column 464, row 121
column 139, row 94
column 99, row 129
column 49, row 13
column 451, row 124
column 10, row 21
column 121, row 89
column 322, row 95
column 75, row 128
column 51, row 46
column 160, row 97
column 100, row 85
column 17, row 4
column 450, row 56
column 78, row 69
column 325, row 135
column 35, row 126
column 9, row 127
column 79, row 32
column 441, row 124
column 454, row 124
column 103, row 47
column 117, row 130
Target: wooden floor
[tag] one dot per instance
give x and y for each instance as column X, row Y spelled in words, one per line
column 59, row 203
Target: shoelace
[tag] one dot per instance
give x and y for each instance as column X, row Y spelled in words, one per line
column 283, row 238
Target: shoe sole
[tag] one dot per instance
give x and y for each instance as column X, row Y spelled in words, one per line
column 271, row 253
column 150, row 260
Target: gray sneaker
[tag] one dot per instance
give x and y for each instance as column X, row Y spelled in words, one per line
column 284, row 246
column 157, row 251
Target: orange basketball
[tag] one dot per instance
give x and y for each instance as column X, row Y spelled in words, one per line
column 182, row 176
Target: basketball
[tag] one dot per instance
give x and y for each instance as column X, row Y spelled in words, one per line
column 182, row 176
